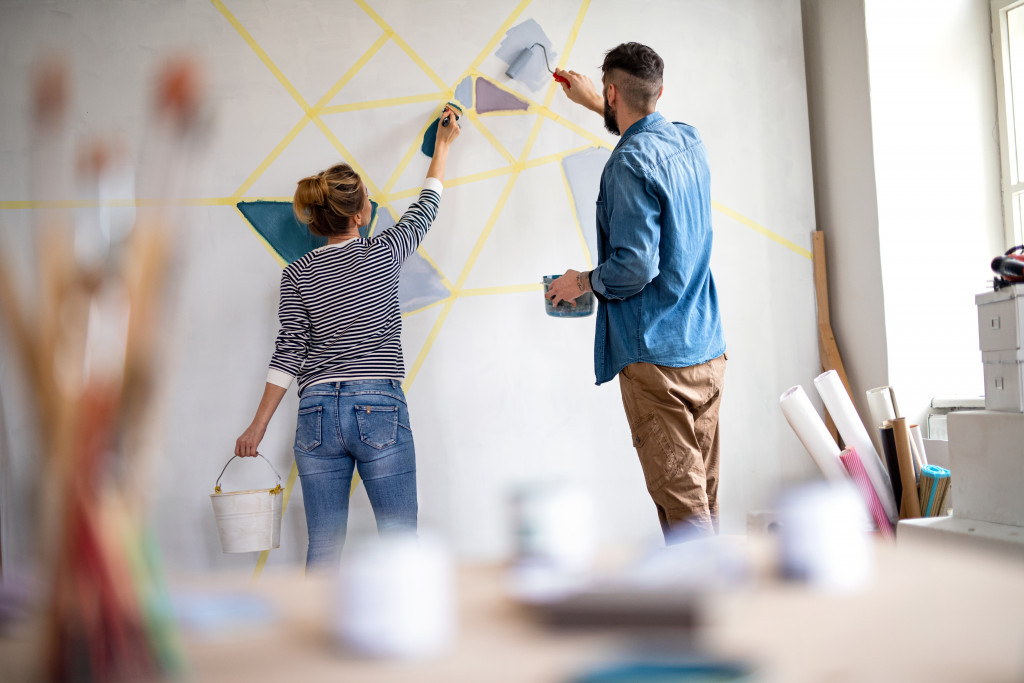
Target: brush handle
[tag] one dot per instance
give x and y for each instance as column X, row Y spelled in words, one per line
column 562, row 79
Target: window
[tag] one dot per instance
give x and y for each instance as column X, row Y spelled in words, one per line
column 1008, row 48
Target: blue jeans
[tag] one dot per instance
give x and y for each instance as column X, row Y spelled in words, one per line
column 343, row 426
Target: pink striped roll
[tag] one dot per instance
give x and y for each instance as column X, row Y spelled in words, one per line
column 859, row 476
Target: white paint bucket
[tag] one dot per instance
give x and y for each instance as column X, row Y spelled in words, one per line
column 248, row 521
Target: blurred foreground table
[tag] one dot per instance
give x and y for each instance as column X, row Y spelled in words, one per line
column 932, row 614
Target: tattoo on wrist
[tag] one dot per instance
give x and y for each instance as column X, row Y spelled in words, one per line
column 583, row 281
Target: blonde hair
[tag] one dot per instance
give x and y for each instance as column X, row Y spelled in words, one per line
column 326, row 201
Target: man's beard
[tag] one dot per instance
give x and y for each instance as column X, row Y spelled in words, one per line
column 609, row 119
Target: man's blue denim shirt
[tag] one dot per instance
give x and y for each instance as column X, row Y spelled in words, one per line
column 658, row 302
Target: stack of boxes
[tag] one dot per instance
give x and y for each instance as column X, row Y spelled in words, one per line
column 986, row 447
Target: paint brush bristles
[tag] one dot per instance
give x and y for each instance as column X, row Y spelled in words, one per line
column 93, row 402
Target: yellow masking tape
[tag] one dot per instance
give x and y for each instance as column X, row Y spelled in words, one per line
column 264, row 57
column 401, row 43
column 274, row 154
column 289, row 485
column 273, row 252
column 387, row 102
column 506, row 289
column 761, row 229
column 576, row 218
column 490, row 137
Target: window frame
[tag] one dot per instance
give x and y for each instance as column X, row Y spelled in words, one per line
column 1009, row 191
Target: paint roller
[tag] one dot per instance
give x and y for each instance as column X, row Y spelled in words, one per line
column 524, row 57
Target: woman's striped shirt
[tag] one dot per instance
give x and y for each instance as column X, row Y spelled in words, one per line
column 339, row 312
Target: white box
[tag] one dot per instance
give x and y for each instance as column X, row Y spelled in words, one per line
column 1001, row 318
column 986, row 458
column 1004, row 380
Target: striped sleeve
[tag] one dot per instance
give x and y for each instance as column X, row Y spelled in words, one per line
column 293, row 339
column 412, row 227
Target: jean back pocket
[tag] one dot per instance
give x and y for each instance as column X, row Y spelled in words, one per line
column 378, row 425
column 308, row 428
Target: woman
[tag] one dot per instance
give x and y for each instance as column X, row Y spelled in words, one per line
column 341, row 337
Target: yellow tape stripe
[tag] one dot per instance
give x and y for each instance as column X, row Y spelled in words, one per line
column 310, row 115
column 277, row 257
column 463, row 180
column 490, row 137
column 571, row 42
column 508, row 289
column 576, row 218
column 579, row 130
column 428, row 344
column 761, row 229
column 512, row 112
column 437, row 303
column 450, row 92
column 347, row 156
column 352, row 71
column 557, row 156
column 387, row 102
column 402, row 44
column 115, row 203
column 486, row 232
column 426, row 257
column 272, row 157
column 496, row 37
column 416, row 144
column 553, row 86
column 289, row 485
column 477, row 248
column 264, row 57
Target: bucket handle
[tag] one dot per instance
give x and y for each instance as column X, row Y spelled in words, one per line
column 276, row 489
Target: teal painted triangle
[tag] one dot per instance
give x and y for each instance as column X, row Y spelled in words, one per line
column 276, row 224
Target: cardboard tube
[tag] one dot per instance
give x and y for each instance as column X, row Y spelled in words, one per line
column 840, row 407
column 910, row 505
column 882, row 404
column 918, row 440
column 892, row 461
column 811, row 431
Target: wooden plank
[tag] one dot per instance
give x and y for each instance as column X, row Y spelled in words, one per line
column 828, row 349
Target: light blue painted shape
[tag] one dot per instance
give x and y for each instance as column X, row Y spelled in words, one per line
column 521, row 36
column 420, row 284
column 464, row 92
column 583, row 170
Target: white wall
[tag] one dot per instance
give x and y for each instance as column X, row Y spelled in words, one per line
column 906, row 166
column 505, row 394
column 844, row 187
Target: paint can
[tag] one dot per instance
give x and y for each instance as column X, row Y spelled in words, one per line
column 584, row 303
column 248, row 521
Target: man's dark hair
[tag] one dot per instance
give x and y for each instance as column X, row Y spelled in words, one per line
column 642, row 70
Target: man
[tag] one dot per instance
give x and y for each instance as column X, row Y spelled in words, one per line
column 658, row 325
